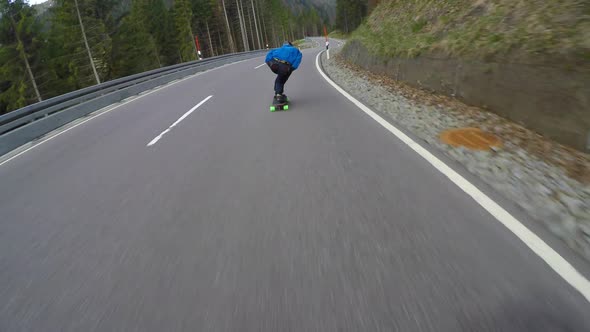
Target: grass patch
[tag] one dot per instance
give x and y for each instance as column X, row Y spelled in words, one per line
column 417, row 26
column 479, row 28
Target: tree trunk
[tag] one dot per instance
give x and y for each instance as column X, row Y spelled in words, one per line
column 156, row 51
column 274, row 34
column 346, row 21
column 284, row 35
column 256, row 25
column 242, row 26
column 210, row 42
column 251, row 28
column 245, row 26
column 231, row 41
column 86, row 43
column 192, row 38
column 23, row 54
column 264, row 27
column 220, row 42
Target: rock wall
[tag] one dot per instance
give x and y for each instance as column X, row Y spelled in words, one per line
column 549, row 100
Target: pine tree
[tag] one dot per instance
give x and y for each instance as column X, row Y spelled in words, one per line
column 184, row 35
column 349, row 14
column 97, row 16
column 155, row 17
column 170, row 48
column 19, row 45
column 134, row 49
column 70, row 66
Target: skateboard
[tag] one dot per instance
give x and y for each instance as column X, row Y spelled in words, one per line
column 279, row 106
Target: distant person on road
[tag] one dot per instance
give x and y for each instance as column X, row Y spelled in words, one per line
column 283, row 61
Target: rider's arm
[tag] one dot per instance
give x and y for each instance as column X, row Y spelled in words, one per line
column 297, row 61
column 269, row 55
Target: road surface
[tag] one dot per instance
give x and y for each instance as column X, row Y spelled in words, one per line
column 230, row 218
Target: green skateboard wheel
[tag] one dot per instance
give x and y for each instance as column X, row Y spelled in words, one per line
column 272, row 108
column 286, row 107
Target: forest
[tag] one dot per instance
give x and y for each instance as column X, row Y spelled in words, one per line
column 351, row 13
column 63, row 45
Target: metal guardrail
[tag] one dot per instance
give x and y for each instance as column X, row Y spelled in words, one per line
column 28, row 123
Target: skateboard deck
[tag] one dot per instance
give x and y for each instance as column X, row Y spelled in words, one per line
column 279, row 106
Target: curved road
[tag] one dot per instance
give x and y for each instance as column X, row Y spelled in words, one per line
column 238, row 219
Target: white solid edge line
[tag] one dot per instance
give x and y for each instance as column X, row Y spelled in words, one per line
column 46, row 139
column 536, row 244
column 157, row 138
column 259, row 66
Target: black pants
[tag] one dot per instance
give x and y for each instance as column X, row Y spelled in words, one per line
column 283, row 72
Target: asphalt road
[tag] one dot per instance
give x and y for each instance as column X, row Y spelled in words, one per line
column 238, row 219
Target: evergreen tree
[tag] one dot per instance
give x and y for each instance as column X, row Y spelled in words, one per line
column 184, row 36
column 19, row 56
column 349, row 14
column 70, row 64
column 157, row 22
column 170, row 48
column 134, row 49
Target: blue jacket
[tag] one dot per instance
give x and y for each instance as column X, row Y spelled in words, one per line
column 286, row 53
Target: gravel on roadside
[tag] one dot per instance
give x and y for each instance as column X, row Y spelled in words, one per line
column 549, row 181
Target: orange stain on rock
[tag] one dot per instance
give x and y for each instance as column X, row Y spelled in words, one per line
column 471, row 138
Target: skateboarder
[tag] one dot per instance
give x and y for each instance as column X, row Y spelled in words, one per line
column 283, row 61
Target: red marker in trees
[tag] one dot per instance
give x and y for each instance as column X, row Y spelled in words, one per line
column 198, row 47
